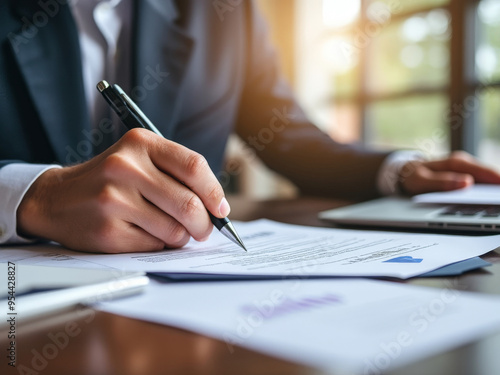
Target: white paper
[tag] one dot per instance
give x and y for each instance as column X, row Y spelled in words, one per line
column 356, row 325
column 476, row 194
column 276, row 249
column 51, row 255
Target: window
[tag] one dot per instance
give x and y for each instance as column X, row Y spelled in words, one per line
column 421, row 74
column 487, row 68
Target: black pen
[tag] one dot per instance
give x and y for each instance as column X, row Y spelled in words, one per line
column 132, row 116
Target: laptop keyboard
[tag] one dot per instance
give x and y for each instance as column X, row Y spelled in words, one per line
column 472, row 211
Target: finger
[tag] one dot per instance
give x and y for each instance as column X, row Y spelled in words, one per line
column 181, row 204
column 160, row 225
column 127, row 238
column 136, row 239
column 192, row 170
column 128, row 205
column 429, row 181
column 468, row 165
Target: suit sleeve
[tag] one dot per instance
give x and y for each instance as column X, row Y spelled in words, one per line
column 271, row 122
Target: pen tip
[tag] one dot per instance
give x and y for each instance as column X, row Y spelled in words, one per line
column 229, row 231
column 237, row 240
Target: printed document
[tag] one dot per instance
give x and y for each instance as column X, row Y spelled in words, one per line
column 283, row 250
column 361, row 326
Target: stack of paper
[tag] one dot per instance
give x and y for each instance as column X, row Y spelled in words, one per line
column 278, row 250
column 358, row 326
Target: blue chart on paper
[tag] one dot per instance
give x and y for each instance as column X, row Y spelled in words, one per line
column 405, row 259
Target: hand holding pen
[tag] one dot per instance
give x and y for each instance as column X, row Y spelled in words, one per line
column 132, row 116
column 126, row 199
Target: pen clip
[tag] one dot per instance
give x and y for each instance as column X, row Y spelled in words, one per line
column 136, row 110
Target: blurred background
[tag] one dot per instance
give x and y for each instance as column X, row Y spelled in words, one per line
column 415, row 74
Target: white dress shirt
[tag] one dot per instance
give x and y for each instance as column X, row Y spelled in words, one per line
column 104, row 28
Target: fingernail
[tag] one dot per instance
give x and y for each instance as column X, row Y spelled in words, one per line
column 224, row 208
column 461, row 183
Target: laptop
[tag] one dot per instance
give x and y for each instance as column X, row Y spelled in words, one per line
column 476, row 209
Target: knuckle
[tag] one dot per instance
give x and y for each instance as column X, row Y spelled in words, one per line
column 459, row 155
column 216, row 193
column 191, row 207
column 115, row 164
column 455, row 162
column 136, row 136
column 195, row 164
column 107, row 199
column 421, row 172
column 178, row 235
column 120, row 165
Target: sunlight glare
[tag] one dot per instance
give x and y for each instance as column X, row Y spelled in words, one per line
column 340, row 13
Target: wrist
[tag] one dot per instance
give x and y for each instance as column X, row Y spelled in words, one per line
column 33, row 213
column 405, row 173
column 391, row 177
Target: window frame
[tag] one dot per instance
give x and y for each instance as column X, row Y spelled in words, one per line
column 462, row 123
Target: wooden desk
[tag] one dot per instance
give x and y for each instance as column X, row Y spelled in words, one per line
column 97, row 343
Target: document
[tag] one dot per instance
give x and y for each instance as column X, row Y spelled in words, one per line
column 32, row 291
column 476, row 194
column 50, row 255
column 352, row 325
column 283, row 250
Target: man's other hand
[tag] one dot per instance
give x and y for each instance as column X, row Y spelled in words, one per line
column 144, row 193
column 457, row 171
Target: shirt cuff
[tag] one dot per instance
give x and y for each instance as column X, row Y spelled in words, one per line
column 388, row 176
column 15, row 180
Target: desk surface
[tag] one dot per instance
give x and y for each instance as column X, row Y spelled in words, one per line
column 102, row 343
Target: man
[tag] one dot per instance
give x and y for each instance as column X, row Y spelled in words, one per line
column 198, row 76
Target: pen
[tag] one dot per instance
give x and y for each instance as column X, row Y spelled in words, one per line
column 132, row 116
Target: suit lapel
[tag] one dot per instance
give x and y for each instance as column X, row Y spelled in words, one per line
column 50, row 63
column 161, row 55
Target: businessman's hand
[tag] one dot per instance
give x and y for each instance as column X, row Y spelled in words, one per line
column 455, row 172
column 127, row 199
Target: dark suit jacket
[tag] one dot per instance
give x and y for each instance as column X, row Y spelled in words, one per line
column 198, row 73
